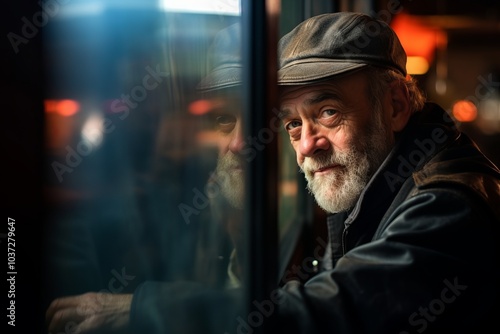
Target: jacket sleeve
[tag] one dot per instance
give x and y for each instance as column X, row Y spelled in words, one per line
column 434, row 266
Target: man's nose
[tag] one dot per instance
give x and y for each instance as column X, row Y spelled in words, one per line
column 237, row 143
column 312, row 141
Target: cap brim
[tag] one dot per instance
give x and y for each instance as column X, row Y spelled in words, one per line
column 306, row 72
column 221, row 77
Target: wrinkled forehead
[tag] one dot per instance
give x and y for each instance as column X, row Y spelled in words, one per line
column 335, row 88
column 305, row 92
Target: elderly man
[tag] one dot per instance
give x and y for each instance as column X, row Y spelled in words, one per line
column 413, row 204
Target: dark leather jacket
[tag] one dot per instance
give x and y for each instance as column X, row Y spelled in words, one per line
column 419, row 253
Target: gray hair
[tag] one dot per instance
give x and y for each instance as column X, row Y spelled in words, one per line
column 379, row 80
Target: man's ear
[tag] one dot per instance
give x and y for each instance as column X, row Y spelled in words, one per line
column 400, row 102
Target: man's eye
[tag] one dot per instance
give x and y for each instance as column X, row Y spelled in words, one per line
column 292, row 125
column 225, row 120
column 225, row 123
column 328, row 113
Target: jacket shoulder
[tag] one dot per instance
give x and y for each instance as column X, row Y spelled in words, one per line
column 462, row 167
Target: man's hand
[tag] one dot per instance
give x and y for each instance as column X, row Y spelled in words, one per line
column 90, row 313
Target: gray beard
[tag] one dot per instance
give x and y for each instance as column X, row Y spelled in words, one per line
column 232, row 183
column 340, row 188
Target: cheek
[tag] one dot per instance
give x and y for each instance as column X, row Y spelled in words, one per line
column 223, row 145
column 341, row 140
column 299, row 157
column 300, row 160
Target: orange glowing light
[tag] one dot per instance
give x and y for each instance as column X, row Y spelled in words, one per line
column 417, row 39
column 200, row 107
column 68, row 107
column 417, row 65
column 62, row 107
column 464, row 111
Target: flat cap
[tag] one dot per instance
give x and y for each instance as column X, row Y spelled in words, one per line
column 335, row 43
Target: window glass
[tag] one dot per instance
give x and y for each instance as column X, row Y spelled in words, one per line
column 144, row 180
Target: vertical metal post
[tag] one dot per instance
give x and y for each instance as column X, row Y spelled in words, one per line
column 260, row 37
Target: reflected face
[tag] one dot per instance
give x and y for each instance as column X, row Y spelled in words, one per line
column 230, row 164
column 340, row 139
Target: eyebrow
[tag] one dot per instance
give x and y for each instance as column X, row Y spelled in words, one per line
column 320, row 97
column 284, row 113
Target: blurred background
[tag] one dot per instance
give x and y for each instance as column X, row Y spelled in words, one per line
column 454, row 50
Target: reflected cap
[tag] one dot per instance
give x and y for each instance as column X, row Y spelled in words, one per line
column 225, row 68
column 330, row 44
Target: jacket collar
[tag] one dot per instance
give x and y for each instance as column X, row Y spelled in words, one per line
column 427, row 133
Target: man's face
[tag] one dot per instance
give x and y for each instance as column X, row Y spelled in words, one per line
column 230, row 164
column 339, row 137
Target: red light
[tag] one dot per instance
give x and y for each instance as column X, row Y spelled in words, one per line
column 62, row 107
column 417, row 38
column 200, row 107
column 464, row 111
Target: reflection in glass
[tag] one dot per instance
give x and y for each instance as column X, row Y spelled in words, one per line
column 144, row 175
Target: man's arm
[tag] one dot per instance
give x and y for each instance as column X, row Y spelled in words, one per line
column 435, row 267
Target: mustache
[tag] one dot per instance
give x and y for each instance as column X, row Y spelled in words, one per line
column 230, row 161
column 321, row 161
